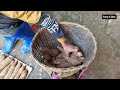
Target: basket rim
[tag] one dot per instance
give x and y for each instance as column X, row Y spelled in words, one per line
column 73, row 67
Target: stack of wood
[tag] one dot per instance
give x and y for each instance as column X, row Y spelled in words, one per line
column 57, row 57
column 11, row 68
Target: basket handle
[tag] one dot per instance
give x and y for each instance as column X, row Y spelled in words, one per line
column 82, row 72
column 54, row 76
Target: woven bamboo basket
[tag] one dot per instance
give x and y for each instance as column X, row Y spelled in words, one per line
column 76, row 35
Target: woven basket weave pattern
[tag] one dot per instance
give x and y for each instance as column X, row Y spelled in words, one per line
column 75, row 34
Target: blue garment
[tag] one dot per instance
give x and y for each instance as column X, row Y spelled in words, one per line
column 8, row 45
column 51, row 24
column 8, row 27
column 23, row 32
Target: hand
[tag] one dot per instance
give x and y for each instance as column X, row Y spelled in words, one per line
column 68, row 48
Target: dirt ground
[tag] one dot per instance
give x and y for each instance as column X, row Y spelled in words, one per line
column 106, row 64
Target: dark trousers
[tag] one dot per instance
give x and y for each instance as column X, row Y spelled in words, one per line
column 8, row 26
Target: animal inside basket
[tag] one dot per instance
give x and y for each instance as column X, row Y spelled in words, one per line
column 75, row 34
